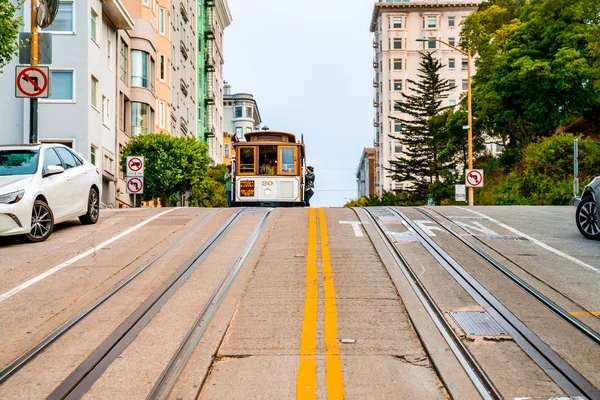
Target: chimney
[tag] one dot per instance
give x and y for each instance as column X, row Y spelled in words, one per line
column 227, row 89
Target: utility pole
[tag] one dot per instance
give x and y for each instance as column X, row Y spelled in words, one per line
column 34, row 58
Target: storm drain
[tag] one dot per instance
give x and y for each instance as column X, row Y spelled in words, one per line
column 475, row 323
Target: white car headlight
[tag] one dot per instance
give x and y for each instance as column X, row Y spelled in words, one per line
column 11, row 198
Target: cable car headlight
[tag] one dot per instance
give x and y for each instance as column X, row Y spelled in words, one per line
column 268, row 191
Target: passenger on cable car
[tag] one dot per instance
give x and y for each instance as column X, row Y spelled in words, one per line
column 272, row 168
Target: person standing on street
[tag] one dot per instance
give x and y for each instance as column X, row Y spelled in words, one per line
column 227, row 179
column 309, row 185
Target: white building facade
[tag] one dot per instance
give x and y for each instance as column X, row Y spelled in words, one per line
column 80, row 112
column 241, row 113
column 396, row 26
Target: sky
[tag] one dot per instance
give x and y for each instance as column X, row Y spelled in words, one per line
column 308, row 64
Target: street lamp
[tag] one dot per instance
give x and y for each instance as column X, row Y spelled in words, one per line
column 470, row 139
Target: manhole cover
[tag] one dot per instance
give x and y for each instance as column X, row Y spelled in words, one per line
column 475, row 323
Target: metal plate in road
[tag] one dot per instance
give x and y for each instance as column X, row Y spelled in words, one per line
column 477, row 323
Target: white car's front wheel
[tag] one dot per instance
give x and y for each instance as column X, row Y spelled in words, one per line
column 42, row 222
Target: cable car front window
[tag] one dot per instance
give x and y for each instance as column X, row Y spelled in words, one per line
column 267, row 160
column 246, row 160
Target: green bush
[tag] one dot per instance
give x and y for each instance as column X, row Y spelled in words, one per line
column 544, row 175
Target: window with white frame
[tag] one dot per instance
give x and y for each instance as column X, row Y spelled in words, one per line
column 465, row 63
column 397, row 64
column 64, row 18
column 105, row 110
column 161, row 114
column 452, row 41
column 431, row 21
column 397, row 127
column 163, row 68
column 93, row 154
column 94, row 26
column 397, row 85
column 398, row 148
column 162, row 21
column 451, row 63
column 94, row 99
column 452, row 103
column 465, row 85
column 397, row 43
column 397, row 22
column 123, row 61
column 63, row 85
column 452, row 83
column 451, row 22
column 432, row 43
column 109, row 50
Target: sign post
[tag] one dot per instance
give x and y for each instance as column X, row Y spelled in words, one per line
column 135, row 176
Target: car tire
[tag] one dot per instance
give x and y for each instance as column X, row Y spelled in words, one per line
column 93, row 208
column 42, row 222
column 586, row 217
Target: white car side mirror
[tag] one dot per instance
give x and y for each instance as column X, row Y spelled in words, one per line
column 54, row 170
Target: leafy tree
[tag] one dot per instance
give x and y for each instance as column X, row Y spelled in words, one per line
column 426, row 158
column 9, row 30
column 211, row 191
column 172, row 164
column 538, row 65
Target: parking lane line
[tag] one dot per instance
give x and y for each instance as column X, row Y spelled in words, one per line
column 333, row 365
column 54, row 270
column 306, row 379
column 541, row 244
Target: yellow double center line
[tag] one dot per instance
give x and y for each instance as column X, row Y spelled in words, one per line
column 306, row 380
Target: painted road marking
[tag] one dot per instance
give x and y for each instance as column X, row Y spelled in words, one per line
column 54, row 270
column 475, row 228
column 333, row 364
column 541, row 244
column 356, row 226
column 306, row 380
column 585, row 314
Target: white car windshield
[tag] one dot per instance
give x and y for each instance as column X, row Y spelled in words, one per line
column 18, row 162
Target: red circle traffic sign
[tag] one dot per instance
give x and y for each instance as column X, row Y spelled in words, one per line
column 39, row 89
column 135, row 167
column 135, row 185
column 474, row 178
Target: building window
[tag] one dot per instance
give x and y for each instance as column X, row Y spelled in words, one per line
column 465, row 63
column 451, row 22
column 397, row 22
column 163, row 68
column 105, row 110
column 109, row 50
column 141, row 119
column 94, row 26
column 398, row 148
column 397, row 64
column 452, row 41
column 62, row 85
column 239, row 132
column 398, row 85
column 452, row 83
column 64, row 18
column 451, row 63
column 93, row 155
column 465, row 85
column 123, row 56
column 161, row 114
column 226, row 155
column 398, row 43
column 431, row 21
column 432, row 43
column 452, row 103
column 397, row 127
column 238, row 112
column 161, row 21
column 248, row 112
column 142, row 70
column 108, row 164
column 94, row 99
column 248, row 130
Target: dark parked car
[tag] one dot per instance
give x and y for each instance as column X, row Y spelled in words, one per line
column 588, row 211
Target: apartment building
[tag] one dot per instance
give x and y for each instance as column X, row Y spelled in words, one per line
column 217, row 17
column 241, row 114
column 80, row 111
column 365, row 173
column 396, row 26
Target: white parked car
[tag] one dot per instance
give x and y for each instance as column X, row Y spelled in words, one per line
column 42, row 185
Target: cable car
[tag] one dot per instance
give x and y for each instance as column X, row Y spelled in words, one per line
column 269, row 170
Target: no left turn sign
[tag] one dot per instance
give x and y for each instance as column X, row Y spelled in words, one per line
column 474, row 178
column 135, row 185
column 32, row 82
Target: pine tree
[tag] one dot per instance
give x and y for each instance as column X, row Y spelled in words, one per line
column 422, row 135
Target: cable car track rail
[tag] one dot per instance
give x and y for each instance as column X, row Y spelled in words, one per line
column 84, row 376
column 563, row 374
column 28, row 356
column 476, row 374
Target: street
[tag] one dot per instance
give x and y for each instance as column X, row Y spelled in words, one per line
column 249, row 303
